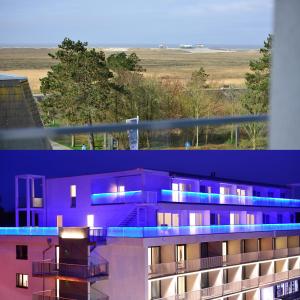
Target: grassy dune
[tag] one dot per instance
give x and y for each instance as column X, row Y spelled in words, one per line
column 224, row 68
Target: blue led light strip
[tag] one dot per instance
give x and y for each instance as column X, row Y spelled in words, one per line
column 231, row 199
column 104, row 195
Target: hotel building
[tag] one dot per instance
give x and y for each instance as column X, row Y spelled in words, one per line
column 145, row 234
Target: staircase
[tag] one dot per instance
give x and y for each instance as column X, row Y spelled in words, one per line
column 130, row 220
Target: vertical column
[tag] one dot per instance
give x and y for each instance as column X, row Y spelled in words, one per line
column 285, row 89
column 44, row 201
column 28, row 204
column 17, row 200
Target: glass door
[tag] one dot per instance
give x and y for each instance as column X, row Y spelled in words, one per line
column 180, row 256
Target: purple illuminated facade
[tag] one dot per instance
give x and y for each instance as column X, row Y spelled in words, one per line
column 145, row 234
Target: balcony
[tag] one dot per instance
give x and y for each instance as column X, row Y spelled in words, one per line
column 125, row 197
column 166, row 231
column 52, row 295
column 48, row 295
column 163, row 269
column 205, row 198
column 170, row 196
column 92, row 272
column 234, row 287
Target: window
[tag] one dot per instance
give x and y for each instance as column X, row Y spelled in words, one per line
column 266, row 219
column 121, row 189
column 234, row 218
column 202, row 189
column 196, row 219
column 279, row 219
column 215, row 219
column 21, row 252
column 167, row 219
column 90, row 220
column 282, row 195
column 292, row 218
column 270, row 194
column 59, row 221
column 155, row 289
column 22, row 281
column 256, row 193
column 73, row 193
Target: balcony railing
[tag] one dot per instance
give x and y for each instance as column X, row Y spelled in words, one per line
column 125, row 197
column 49, row 268
column 234, row 287
column 48, row 295
column 158, row 270
column 171, row 196
column 52, row 295
column 210, row 198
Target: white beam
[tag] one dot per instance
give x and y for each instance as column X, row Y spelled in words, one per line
column 285, row 87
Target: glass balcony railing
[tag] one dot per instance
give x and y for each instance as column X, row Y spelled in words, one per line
column 170, row 196
column 125, row 197
column 48, row 268
column 205, row 198
column 165, row 231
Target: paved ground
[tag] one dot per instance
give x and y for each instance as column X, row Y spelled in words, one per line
column 57, row 146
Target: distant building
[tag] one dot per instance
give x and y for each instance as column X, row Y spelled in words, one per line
column 18, row 109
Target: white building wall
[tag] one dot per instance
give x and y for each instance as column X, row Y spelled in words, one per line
column 128, row 270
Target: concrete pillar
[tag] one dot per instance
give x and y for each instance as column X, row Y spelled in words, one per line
column 285, row 87
column 17, row 200
column 28, row 201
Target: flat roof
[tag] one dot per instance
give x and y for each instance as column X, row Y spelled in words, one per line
column 12, row 77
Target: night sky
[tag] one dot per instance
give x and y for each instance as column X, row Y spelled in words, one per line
column 277, row 167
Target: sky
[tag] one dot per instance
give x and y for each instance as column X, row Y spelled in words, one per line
column 276, row 167
column 136, row 22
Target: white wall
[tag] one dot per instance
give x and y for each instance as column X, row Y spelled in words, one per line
column 128, row 272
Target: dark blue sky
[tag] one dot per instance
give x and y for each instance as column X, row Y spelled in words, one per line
column 276, row 167
column 229, row 22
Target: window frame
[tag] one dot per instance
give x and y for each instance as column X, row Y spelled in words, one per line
column 21, row 276
column 22, row 252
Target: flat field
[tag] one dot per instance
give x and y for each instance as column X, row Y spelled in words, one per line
column 223, row 67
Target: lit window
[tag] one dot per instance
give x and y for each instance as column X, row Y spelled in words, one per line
column 73, row 190
column 22, row 281
column 90, row 220
column 73, row 195
column 175, row 187
column 192, row 219
column 121, row 189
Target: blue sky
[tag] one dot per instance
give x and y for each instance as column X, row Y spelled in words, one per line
column 235, row 22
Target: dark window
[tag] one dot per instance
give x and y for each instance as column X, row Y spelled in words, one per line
column 73, row 202
column 204, row 280
column 213, row 220
column 266, row 219
column 282, row 195
column 270, row 194
column 279, row 219
column 256, row 193
column 22, row 281
column 292, row 218
column 202, row 189
column 21, row 252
